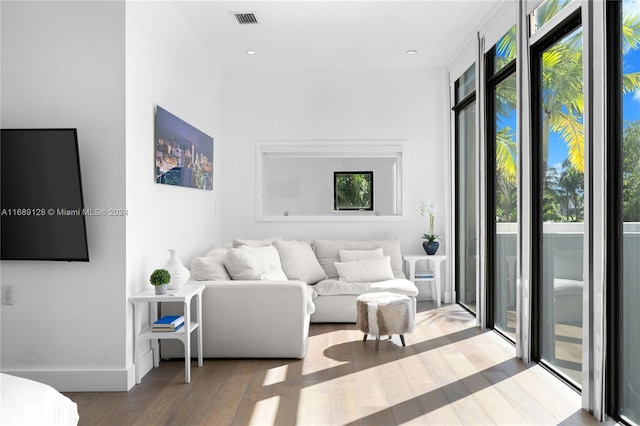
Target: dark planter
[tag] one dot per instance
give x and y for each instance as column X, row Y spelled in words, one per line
column 430, row 247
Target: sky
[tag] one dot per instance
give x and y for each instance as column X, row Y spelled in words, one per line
column 631, row 101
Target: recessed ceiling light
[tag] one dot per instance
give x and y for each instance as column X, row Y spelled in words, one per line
column 251, row 52
column 412, row 52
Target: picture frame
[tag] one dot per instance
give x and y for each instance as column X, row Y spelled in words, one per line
column 353, row 191
column 183, row 154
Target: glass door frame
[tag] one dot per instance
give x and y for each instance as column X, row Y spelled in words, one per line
column 493, row 79
column 460, row 105
column 570, row 24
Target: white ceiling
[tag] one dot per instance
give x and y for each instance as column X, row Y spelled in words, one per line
column 321, row 34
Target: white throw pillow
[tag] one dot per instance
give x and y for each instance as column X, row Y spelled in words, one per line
column 355, row 255
column 299, row 262
column 210, row 267
column 273, row 274
column 327, row 252
column 365, row 271
column 250, row 263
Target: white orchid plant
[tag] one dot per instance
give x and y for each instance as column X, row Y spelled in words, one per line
column 428, row 209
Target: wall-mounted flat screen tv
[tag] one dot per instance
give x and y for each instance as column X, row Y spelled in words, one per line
column 41, row 204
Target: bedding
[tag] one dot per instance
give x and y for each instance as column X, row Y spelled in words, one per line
column 26, row 402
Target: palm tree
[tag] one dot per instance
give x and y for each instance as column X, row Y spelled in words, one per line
column 506, row 148
column 563, row 95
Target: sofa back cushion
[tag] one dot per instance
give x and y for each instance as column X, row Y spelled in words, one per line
column 328, row 252
column 355, row 255
column 299, row 262
column 366, row 270
column 254, row 243
column 210, row 267
column 253, row 263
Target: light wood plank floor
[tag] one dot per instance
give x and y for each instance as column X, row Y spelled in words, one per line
column 449, row 373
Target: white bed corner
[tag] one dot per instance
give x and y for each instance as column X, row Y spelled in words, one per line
column 26, row 402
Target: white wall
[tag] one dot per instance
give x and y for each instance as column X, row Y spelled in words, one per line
column 63, row 66
column 336, row 104
column 166, row 65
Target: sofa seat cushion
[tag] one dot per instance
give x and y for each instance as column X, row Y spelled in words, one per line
column 333, row 287
column 563, row 286
column 400, row 286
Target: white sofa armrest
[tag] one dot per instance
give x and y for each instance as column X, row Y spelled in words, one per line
column 250, row 319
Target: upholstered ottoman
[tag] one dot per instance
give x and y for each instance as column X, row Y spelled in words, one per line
column 384, row 314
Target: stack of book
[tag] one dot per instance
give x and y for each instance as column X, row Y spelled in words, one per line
column 424, row 275
column 168, row 323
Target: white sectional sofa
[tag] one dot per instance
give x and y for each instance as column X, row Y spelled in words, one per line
column 335, row 298
column 261, row 295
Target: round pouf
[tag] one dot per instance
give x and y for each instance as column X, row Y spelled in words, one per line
column 384, row 314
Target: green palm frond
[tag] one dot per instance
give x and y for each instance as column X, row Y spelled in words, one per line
column 571, row 129
column 506, row 154
column 563, row 87
column 630, row 31
column 506, row 96
column 506, row 46
column 548, row 10
column 631, row 82
column 551, row 58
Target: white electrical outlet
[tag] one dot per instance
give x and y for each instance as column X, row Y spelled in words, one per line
column 7, row 295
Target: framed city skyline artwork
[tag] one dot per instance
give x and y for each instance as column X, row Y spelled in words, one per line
column 183, row 154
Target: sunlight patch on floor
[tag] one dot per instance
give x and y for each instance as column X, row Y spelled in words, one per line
column 265, row 411
column 275, row 375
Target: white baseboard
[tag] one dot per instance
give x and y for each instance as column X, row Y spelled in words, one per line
column 449, row 297
column 89, row 380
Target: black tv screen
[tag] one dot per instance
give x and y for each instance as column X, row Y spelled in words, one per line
column 41, row 196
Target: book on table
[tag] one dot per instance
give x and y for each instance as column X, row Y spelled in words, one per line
column 427, row 274
column 169, row 323
column 168, row 329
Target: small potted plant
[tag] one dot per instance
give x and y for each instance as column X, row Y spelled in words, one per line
column 160, row 280
column 431, row 245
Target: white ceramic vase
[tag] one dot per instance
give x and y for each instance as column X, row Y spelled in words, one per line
column 179, row 274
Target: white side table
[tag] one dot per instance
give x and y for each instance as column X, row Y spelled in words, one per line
column 435, row 260
column 184, row 296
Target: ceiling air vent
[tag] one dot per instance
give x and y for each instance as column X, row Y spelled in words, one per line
column 246, row 18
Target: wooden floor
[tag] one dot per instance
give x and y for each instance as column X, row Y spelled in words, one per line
column 449, row 373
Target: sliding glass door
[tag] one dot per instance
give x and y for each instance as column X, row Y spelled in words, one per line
column 625, row 138
column 466, row 189
column 558, row 140
column 502, row 183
